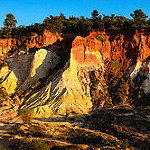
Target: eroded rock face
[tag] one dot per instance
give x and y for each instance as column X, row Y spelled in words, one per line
column 94, row 68
column 33, row 42
column 25, row 70
column 42, row 63
column 105, row 69
column 17, row 70
column 62, row 96
column 140, row 79
column 124, row 53
column 69, row 92
column 4, row 46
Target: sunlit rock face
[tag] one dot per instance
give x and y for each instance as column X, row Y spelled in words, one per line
column 33, row 42
column 25, row 70
column 98, row 62
column 146, row 82
column 63, row 95
column 18, row 69
column 42, row 62
column 5, row 46
column 69, row 91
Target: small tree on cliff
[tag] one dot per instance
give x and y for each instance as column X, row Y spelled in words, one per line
column 97, row 20
column 9, row 24
column 139, row 18
column 95, row 14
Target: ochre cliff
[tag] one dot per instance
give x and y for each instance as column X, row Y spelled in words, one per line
column 59, row 44
column 34, row 41
column 108, row 68
column 25, row 70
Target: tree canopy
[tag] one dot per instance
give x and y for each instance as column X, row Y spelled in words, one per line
column 139, row 18
column 74, row 24
column 95, row 14
column 9, row 24
column 10, row 21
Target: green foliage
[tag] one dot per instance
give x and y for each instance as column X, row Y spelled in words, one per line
column 108, row 21
column 54, row 23
column 9, row 24
column 101, row 37
column 36, row 144
column 24, row 32
column 99, row 91
column 74, row 24
column 78, row 25
column 122, row 22
column 10, row 21
column 95, row 14
column 118, row 90
column 98, row 23
column 115, row 67
column 26, row 115
column 107, row 143
column 139, row 18
column 125, row 143
column 117, row 85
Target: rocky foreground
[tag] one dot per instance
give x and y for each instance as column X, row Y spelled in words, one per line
column 101, row 129
column 85, row 91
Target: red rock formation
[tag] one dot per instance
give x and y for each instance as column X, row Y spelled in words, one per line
column 35, row 41
column 122, row 47
column 124, row 54
column 84, row 49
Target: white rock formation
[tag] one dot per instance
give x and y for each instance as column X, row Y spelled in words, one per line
column 19, row 68
column 141, row 70
column 146, row 82
column 63, row 95
column 26, row 69
column 42, row 62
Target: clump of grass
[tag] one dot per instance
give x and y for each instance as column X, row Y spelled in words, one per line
column 26, row 115
column 36, row 144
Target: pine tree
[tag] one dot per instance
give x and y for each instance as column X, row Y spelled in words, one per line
column 139, row 18
column 95, row 14
column 9, row 24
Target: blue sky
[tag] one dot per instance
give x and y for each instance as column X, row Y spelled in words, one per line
column 35, row 11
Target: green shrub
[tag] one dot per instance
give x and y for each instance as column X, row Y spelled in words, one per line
column 26, row 115
column 117, row 84
column 101, row 37
column 38, row 145
column 125, row 143
column 115, row 67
